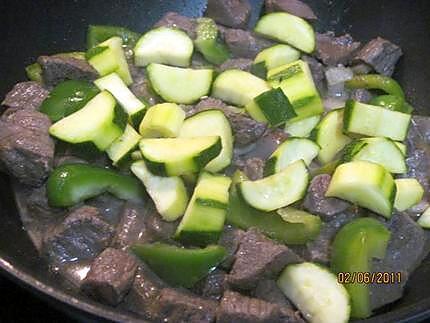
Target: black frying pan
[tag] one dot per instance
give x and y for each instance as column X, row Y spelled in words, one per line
column 31, row 28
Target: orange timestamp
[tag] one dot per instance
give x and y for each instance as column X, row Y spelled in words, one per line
column 360, row 277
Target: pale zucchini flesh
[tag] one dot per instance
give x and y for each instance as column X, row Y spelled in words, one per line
column 277, row 55
column 409, row 193
column 302, row 128
column 124, row 145
column 162, row 120
column 424, row 219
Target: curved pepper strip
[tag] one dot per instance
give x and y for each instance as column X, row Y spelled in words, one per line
column 392, row 102
column 73, row 183
column 376, row 82
column 352, row 251
column 99, row 33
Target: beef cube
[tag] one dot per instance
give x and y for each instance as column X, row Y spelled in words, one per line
column 257, row 258
column 267, row 290
column 243, row 64
column 26, row 149
column 332, row 50
column 25, row 95
column 175, row 20
column 230, row 240
column 252, row 167
column 111, row 276
column 316, row 202
column 212, row 286
column 179, row 306
column 59, row 68
column 380, row 54
column 294, row 7
column 109, row 206
column 237, row 308
column 361, row 95
column 82, row 235
column 231, row 13
column 243, row 43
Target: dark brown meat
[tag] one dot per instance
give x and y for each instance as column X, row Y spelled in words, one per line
column 252, row 167
column 231, row 13
column 332, row 50
column 82, row 235
column 294, row 7
column 316, row 202
column 109, row 206
column 175, row 20
column 25, row 95
column 212, row 286
column 381, row 54
column 141, row 87
column 243, row 64
column 361, row 95
column 179, row 306
column 268, row 291
column 26, row 149
column 257, row 258
column 267, row 144
column 237, row 308
column 111, row 276
column 59, row 68
column 230, row 240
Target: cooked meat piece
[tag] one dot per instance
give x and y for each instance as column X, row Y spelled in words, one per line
column 252, row 167
column 73, row 273
column 25, row 95
column 180, row 306
column 268, row 291
column 212, row 286
column 243, row 64
column 381, row 54
column 111, row 276
column 199, row 62
column 336, row 78
column 141, row 224
column 317, row 71
column 175, row 20
column 267, row 144
column 332, row 50
column 316, row 202
column 59, row 68
column 243, row 43
column 82, row 235
column 362, row 68
column 257, row 258
column 230, row 240
column 26, row 149
column 361, row 95
column 231, row 13
column 109, row 206
column 237, row 308
column 294, row 7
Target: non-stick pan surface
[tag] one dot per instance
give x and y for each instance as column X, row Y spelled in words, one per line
column 31, row 28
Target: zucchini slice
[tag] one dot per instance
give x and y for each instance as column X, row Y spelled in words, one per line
column 168, row 193
column 402, row 147
column 178, row 156
column 316, row 293
column 424, row 219
column 367, row 184
column 122, row 147
column 379, row 150
column 329, row 136
column 375, row 121
column 289, row 151
column 278, row 190
column 302, row 128
column 286, row 28
column 204, row 218
column 211, row 123
column 108, row 57
column 162, row 120
column 100, row 121
column 180, row 85
column 116, row 86
column 277, row 55
column 409, row 193
column 207, row 42
column 164, row 46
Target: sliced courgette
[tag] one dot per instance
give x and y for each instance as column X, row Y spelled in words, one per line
column 302, row 128
column 168, row 193
column 180, row 85
column 162, row 120
column 402, row 147
column 164, row 46
column 367, row 184
column 409, row 193
column 178, row 156
column 122, row 147
column 211, row 123
column 278, row 190
column 424, row 219
column 277, row 55
column 207, row 42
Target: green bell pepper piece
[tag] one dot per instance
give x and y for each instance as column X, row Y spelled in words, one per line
column 392, row 102
column 179, row 266
column 99, row 33
column 352, row 251
column 207, row 42
column 67, row 98
column 73, row 183
column 34, row 72
column 376, row 82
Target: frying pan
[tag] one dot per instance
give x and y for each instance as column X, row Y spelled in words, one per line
column 31, row 28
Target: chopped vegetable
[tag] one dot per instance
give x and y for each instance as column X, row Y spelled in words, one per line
column 207, row 42
column 34, row 72
column 409, row 193
column 162, row 120
column 121, row 148
column 302, row 128
column 424, row 219
column 97, row 34
column 392, row 102
column 353, row 249
column 376, row 82
column 70, row 184
column 276, row 56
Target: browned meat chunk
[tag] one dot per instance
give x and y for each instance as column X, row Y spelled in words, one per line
column 267, row 144
column 257, row 258
column 316, row 202
column 25, row 95
column 243, row 43
column 252, row 167
column 294, row 7
column 110, row 276
column 231, row 13
column 268, row 291
column 175, row 20
column 380, row 54
column 243, row 64
column 212, row 286
column 361, row 95
column 109, row 206
column 26, row 149
column 237, row 308
column 59, row 68
column 334, row 50
column 230, row 240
